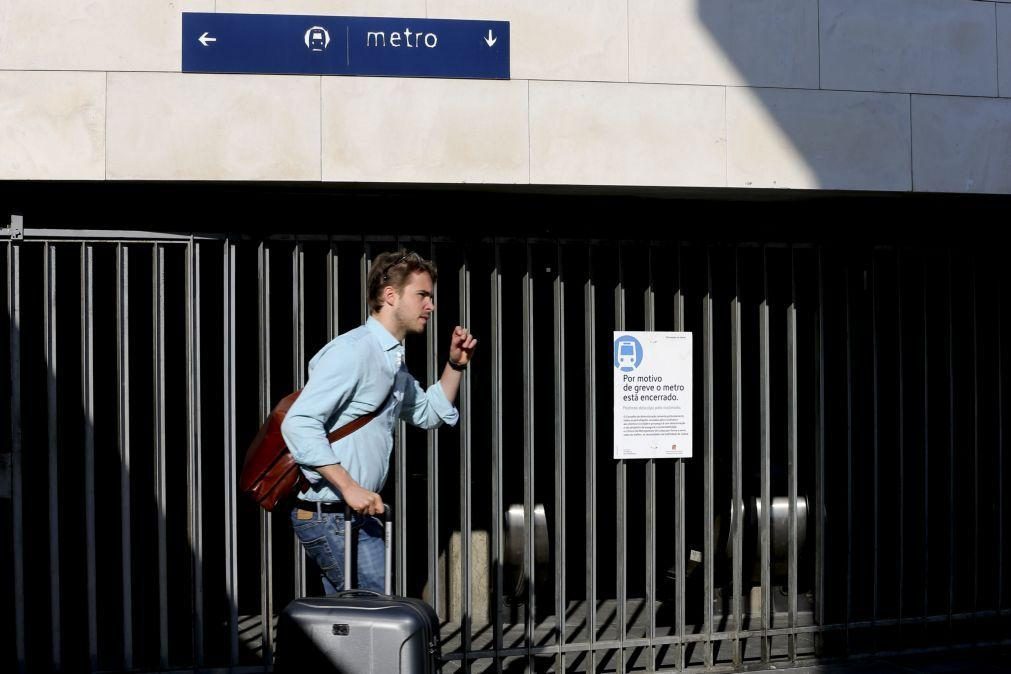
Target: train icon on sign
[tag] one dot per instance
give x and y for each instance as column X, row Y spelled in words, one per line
column 317, row 38
column 627, row 353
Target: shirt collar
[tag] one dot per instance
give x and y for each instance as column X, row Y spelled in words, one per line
column 386, row 340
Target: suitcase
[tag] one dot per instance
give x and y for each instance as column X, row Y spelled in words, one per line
column 358, row 630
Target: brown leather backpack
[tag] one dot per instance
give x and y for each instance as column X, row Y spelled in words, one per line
column 270, row 475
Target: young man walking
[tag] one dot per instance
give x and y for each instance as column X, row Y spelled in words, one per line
column 360, row 372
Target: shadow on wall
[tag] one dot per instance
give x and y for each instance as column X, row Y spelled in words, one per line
column 783, row 131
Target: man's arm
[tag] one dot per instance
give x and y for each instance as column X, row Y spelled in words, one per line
column 461, row 350
column 359, row 498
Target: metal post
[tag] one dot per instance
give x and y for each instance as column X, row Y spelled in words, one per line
column 434, row 580
column 621, row 478
column 332, row 269
column 819, row 578
column 649, row 300
column 737, row 442
column 901, row 415
column 765, row 459
column 559, row 373
column 465, row 472
column 161, row 483
column 497, row 421
column 875, row 445
column 679, row 504
column 298, row 376
column 123, row 442
column 528, row 453
column 707, row 461
column 951, row 445
column 54, row 474
column 194, row 448
column 849, row 462
column 229, row 450
column 266, row 524
column 791, row 350
column 590, row 374
column 17, row 496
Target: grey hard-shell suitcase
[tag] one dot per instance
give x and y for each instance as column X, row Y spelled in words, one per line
column 358, row 630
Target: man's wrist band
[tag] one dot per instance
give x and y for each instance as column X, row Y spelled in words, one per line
column 456, row 366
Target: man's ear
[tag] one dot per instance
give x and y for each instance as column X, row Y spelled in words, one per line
column 389, row 295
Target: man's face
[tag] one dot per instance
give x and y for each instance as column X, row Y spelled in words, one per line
column 413, row 307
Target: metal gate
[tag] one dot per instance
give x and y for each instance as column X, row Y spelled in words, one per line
column 845, row 495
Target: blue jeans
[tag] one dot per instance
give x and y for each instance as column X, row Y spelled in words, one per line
column 322, row 538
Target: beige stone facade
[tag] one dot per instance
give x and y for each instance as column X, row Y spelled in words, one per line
column 881, row 95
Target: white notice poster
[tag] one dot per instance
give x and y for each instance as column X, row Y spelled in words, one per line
column 652, row 395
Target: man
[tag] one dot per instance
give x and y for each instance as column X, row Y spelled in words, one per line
column 359, row 372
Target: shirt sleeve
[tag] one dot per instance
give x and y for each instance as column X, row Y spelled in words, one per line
column 330, row 386
column 427, row 409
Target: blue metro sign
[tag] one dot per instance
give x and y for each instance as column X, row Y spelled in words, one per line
column 343, row 45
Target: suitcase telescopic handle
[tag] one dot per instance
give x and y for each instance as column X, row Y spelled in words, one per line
column 387, row 539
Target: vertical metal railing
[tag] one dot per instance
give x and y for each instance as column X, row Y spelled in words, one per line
column 466, row 475
column 530, row 615
column 123, row 445
column 558, row 306
column 497, row 422
column 765, row 442
column 263, row 265
column 590, row 377
column 737, row 444
column 229, row 447
column 621, row 483
column 52, row 414
column 160, row 449
column 194, row 463
column 16, row 490
column 790, row 367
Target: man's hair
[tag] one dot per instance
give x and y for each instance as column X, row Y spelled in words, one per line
column 395, row 269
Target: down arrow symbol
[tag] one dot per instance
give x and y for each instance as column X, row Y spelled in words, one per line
column 491, row 39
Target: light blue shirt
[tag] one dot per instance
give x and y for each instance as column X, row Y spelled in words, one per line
column 350, row 377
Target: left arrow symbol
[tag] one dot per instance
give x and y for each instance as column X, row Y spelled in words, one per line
column 204, row 39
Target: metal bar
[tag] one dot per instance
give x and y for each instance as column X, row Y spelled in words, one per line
column 590, row 375
column 975, row 443
column 466, row 521
column 17, row 495
column 679, row 504
column 400, row 486
column 230, row 472
column 737, row 444
column 926, row 445
column 53, row 482
column 528, row 451
column 266, row 523
column 707, row 461
column 951, row 444
column 621, row 477
column 105, row 235
column 364, row 280
column 332, row 269
column 876, row 442
column 123, row 443
column 849, row 459
column 791, row 351
column 160, row 478
column 194, row 449
column 298, row 377
column 88, row 405
column 434, row 579
column 497, row 420
column 560, row 416
column 649, row 300
column 819, row 565
column 765, row 459
column 901, row 416
column 1000, row 450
